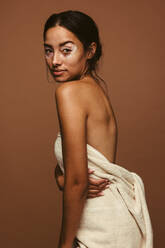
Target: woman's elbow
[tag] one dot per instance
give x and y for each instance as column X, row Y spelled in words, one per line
column 80, row 186
column 81, row 189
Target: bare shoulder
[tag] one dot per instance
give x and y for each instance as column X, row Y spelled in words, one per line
column 66, row 88
column 77, row 91
column 72, row 113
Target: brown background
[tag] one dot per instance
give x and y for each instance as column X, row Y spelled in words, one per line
column 30, row 205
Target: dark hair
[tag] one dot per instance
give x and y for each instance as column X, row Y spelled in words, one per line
column 84, row 28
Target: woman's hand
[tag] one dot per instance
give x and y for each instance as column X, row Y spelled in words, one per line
column 95, row 188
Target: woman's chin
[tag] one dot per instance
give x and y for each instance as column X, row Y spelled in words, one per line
column 61, row 79
column 64, row 78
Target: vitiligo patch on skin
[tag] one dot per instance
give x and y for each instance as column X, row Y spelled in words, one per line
column 74, row 49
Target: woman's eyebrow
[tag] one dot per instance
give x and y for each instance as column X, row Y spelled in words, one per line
column 64, row 43
column 61, row 44
column 45, row 44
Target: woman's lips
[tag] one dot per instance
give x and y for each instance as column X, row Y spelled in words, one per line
column 58, row 73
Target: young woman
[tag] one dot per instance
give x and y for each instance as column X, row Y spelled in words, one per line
column 86, row 144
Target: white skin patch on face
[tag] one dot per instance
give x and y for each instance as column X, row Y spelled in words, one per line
column 74, row 49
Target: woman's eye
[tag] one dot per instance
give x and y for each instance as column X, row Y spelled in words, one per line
column 47, row 51
column 66, row 50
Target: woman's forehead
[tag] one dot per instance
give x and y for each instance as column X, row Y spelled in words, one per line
column 60, row 36
column 60, row 44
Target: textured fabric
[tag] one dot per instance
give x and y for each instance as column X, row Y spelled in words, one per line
column 120, row 218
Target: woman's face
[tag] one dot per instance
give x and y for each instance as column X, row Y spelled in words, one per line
column 64, row 54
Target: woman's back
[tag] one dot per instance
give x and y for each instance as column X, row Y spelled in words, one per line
column 101, row 122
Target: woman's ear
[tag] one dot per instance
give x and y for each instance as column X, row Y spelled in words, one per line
column 91, row 50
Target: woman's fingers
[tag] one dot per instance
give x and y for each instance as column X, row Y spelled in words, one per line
column 96, row 193
column 100, row 186
column 96, row 186
column 97, row 182
column 97, row 190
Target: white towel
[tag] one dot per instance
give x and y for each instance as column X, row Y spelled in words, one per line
column 120, row 218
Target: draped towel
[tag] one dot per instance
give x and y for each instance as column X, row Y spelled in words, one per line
column 120, row 218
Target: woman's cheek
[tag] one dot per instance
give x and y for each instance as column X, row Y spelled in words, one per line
column 74, row 55
column 74, row 60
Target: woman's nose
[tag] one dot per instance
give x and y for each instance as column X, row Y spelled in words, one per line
column 56, row 59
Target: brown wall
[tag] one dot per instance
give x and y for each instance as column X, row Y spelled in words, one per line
column 30, row 205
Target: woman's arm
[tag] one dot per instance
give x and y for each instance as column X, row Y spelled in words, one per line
column 95, row 187
column 72, row 117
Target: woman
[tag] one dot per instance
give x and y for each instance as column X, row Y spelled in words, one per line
column 87, row 141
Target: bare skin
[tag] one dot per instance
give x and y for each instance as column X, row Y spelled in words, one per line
column 85, row 113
